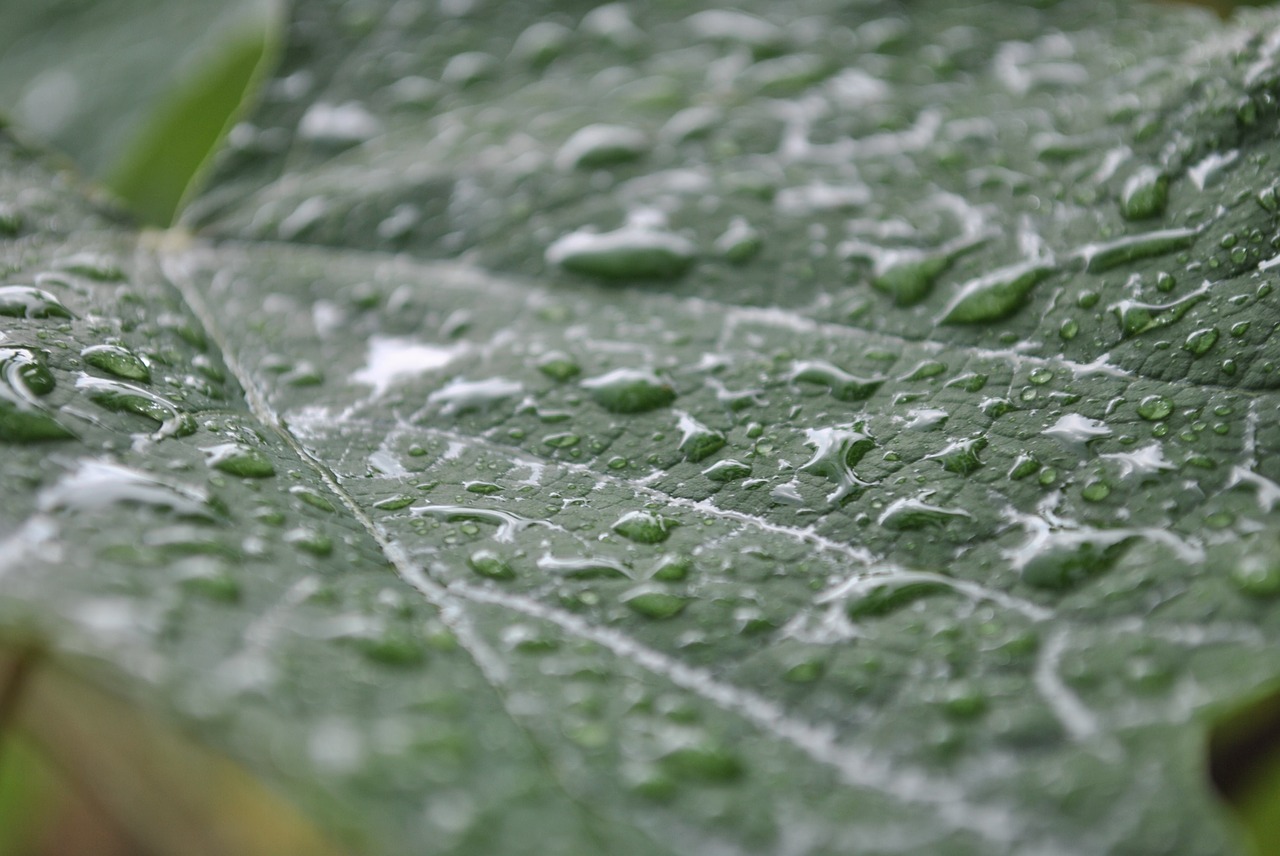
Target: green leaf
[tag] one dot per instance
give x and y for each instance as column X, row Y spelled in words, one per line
column 139, row 93
column 483, row 492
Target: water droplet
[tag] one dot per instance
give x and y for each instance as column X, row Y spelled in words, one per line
column 1200, row 341
column 644, row 527
column 632, row 252
column 396, row 502
column 727, row 471
column 630, row 391
column 310, row 540
column 566, row 440
column 697, row 441
column 488, row 563
column 238, row 459
column 541, row 43
column 908, row 276
column 1060, row 560
column 877, row 598
column 1076, row 430
column 672, row 568
column 483, row 488
column 1105, row 256
column 969, row 382
column 925, row 370
column 469, row 68
column 463, row 396
column 653, row 602
column 311, row 497
column 961, row 457
column 739, row 243
column 1153, row 408
column 117, row 361
column 1095, row 491
column 338, row 124
column 584, row 568
column 1145, row 194
column 118, row 396
column 558, row 365
column 995, row 296
column 23, row 418
column 601, row 145
column 1025, row 465
column 1257, row 575
column 92, row 265
column 837, row 450
column 911, row 514
column 843, row 386
column 96, row 484
column 25, row 301
column 508, row 523
column 707, row 763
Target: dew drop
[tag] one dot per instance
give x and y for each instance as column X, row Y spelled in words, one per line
column 559, row 366
column 843, row 385
column 961, row 457
column 601, row 145
column 97, row 484
column 1153, row 408
column 240, row 460
column 630, row 391
column 1145, row 194
column 23, row 418
column 995, row 296
column 25, row 301
column 122, row 397
column 1102, row 257
column 653, row 602
column 908, row 514
column 644, row 527
column 632, row 252
column 727, row 470
column 1199, row 342
column 837, row 450
column 697, row 441
column 489, row 563
column 118, row 361
column 739, row 243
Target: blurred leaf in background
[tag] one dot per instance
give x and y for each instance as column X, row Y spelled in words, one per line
column 139, row 93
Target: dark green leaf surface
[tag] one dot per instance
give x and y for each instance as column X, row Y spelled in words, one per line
column 881, row 459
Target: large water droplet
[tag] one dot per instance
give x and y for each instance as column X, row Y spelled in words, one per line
column 1145, row 194
column 644, row 527
column 96, row 484
column 697, row 441
column 654, row 602
column 117, row 361
column 1138, row 317
column 727, row 470
column 961, row 457
column 632, row 252
column 238, row 459
column 1059, row 560
column 843, row 385
column 995, row 296
column 119, row 396
column 910, row 514
column 23, row 418
column 837, row 450
column 463, row 396
column 491, row 564
column 630, row 391
column 1105, row 256
column 26, row 301
column 601, row 145
column 1076, row 430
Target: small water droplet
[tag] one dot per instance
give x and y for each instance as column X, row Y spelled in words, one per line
column 727, row 471
column 558, row 365
column 311, row 497
column 1153, row 408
